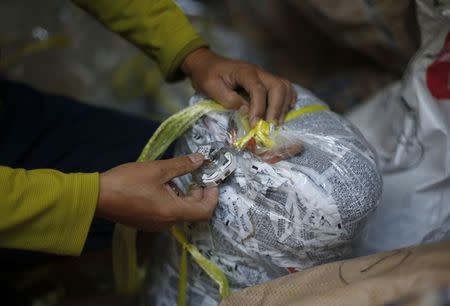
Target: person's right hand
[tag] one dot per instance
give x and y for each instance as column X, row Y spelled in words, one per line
column 138, row 194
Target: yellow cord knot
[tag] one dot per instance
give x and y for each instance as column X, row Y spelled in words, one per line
column 262, row 133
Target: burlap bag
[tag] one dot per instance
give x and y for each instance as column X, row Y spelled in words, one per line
column 370, row 280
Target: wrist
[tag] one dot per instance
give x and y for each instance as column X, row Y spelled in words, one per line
column 194, row 58
column 104, row 197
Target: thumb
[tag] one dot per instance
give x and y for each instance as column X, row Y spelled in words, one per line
column 180, row 165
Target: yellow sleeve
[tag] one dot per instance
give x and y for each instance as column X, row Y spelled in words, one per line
column 158, row 27
column 46, row 210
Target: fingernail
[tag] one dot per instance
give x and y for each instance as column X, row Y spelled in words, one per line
column 254, row 120
column 243, row 109
column 196, row 158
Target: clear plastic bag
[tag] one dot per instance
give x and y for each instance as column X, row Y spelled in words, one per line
column 301, row 210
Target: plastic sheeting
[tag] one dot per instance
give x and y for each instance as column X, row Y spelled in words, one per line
column 275, row 219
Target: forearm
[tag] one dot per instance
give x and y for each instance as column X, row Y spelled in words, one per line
column 46, row 210
column 159, row 28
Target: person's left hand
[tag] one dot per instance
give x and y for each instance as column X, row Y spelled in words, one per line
column 219, row 77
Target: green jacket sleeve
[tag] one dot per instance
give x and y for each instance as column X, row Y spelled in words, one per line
column 158, row 27
column 46, row 210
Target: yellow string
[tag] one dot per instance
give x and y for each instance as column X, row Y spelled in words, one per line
column 261, row 133
column 182, row 281
column 313, row 108
column 264, row 131
column 124, row 260
column 210, row 268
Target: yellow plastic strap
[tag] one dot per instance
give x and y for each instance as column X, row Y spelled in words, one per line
column 125, row 259
column 174, row 127
column 261, row 131
column 313, row 108
column 210, row 268
column 125, row 267
column 182, row 280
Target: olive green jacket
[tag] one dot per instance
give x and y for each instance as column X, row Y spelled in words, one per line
column 49, row 211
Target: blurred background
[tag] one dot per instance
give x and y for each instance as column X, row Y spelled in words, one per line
column 343, row 51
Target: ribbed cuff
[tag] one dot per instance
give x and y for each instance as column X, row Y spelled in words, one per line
column 173, row 72
column 85, row 191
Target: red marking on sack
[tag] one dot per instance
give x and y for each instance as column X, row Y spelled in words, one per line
column 438, row 73
column 292, row 270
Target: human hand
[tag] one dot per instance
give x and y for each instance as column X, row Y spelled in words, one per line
column 219, row 77
column 138, row 194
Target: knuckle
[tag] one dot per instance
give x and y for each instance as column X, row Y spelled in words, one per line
column 165, row 172
column 259, row 88
column 286, row 82
column 280, row 86
column 181, row 165
column 182, row 162
column 288, row 87
column 283, row 83
column 247, row 66
column 158, row 168
column 258, row 110
column 248, row 69
column 231, row 101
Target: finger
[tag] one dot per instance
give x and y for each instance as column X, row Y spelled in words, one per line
column 195, row 193
column 198, row 206
column 243, row 110
column 294, row 96
column 278, row 96
column 288, row 102
column 283, row 153
column 285, row 109
column 210, row 196
column 181, row 165
column 202, row 209
column 249, row 80
column 225, row 95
